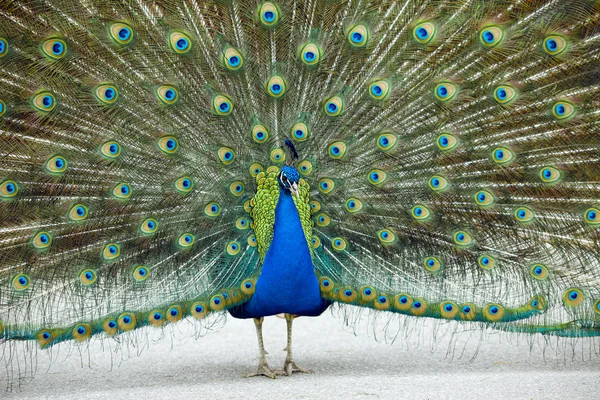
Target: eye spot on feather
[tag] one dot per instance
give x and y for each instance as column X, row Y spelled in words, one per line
column 467, row 312
column 337, row 150
column 305, row 167
column 353, row 205
column 403, row 302
column 199, row 310
column 232, row 248
column 445, row 91
column 383, row 302
column 260, row 134
column 56, row 165
column 3, row 47
column 180, row 42
column 45, row 337
column 269, row 14
column 184, row 184
column 88, row 277
column 186, row 240
column 315, row 242
column 358, row 36
column 81, row 332
column 326, row 284
column 421, row 213
column 424, row 32
column 111, row 252
column 21, row 282
column 563, row 110
column 491, row 36
column 379, row 90
column 276, row 86
column 126, row 321
column 277, row 155
column 43, row 101
column 539, row 272
column 174, row 314
column 592, row 216
column 550, row 175
column 419, row 307
column 8, row 189
column 339, row 244
column 505, row 94
column 347, row 294
column 573, row 297
column 232, row 59
column 493, row 312
column 167, row 94
column 377, row 177
column 484, row 198
column 106, row 94
column 141, row 273
column 438, row 183
column 54, row 48
column 502, row 156
column 326, row 185
column 168, row 144
column 463, row 239
column 300, row 132
column 2, row 108
column 236, row 188
column 110, row 150
column 448, row 310
column 432, row 264
column 386, row 141
column 217, row 302
column 226, row 155
column 524, row 215
column 149, row 227
column 242, row 223
column 248, row 287
column 212, row 209
column 334, row 106
column 315, row 206
column 323, row 220
column 311, row 54
column 367, row 294
column 121, row 33
column 555, row 45
column 597, row 307
column 486, row 262
column 222, row 105
column 446, row 142
column 42, row 240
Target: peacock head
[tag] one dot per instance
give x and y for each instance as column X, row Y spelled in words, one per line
column 289, row 176
column 288, row 179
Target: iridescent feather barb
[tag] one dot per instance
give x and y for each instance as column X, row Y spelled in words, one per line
column 173, row 160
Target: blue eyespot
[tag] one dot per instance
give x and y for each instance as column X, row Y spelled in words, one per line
column 158, row 316
column 357, row 37
column 124, row 189
column 442, row 91
column 422, row 33
column 382, row 299
column 592, row 215
column 182, row 44
column 199, row 309
column 228, row 155
column 269, row 16
column 417, row 304
column 299, row 133
column 46, row 335
column 367, row 292
column 403, row 299
column 465, row 310
column 248, row 285
column 81, row 330
column 560, row 109
column 501, row 93
column 534, row 303
column 499, row 154
column 485, row 260
column 127, row 319
column 551, row 44
column 276, row 88
column 57, row 48
column 460, row 237
column 332, row 107
column 494, row 310
column 448, row 307
column 374, row 176
column 23, row 280
column 124, row 33
column 169, row 94
column 174, row 312
column 44, row 238
column 187, row 238
column 348, row 293
column 538, row 270
column 234, row 61
column 217, row 301
column 47, row 101
column 573, row 295
column 309, row 56
column 171, row 144
column 324, row 185
column 112, row 249
column 377, row 90
column 112, row 324
column 326, row 283
column 488, row 36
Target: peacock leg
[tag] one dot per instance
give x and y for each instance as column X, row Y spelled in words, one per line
column 263, row 368
column 290, row 366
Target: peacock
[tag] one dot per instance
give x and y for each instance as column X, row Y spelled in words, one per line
column 186, row 160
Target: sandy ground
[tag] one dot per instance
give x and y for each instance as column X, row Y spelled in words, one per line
column 346, row 366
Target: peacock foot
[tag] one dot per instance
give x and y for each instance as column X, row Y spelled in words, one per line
column 289, row 367
column 263, row 370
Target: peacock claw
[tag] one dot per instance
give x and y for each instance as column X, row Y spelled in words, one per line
column 290, row 367
column 263, row 370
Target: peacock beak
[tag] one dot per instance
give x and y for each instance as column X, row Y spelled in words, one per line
column 294, row 189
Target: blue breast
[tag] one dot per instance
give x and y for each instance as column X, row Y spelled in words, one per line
column 287, row 283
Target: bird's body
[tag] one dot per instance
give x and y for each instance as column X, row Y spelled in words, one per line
column 168, row 160
column 287, row 282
